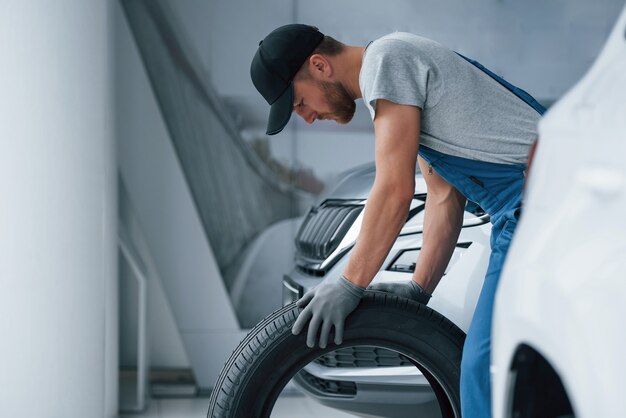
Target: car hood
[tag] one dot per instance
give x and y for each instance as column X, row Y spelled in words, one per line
column 357, row 182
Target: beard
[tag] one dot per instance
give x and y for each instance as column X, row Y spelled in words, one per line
column 342, row 105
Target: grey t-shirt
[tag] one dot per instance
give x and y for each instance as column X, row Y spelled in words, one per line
column 465, row 112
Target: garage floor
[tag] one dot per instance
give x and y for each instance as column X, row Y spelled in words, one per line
column 287, row 406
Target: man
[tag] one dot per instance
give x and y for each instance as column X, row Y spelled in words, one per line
column 470, row 133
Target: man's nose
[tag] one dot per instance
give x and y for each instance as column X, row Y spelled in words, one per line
column 308, row 115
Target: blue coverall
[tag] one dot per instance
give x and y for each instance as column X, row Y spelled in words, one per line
column 496, row 188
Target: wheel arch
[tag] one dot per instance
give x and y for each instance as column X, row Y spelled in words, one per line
column 535, row 388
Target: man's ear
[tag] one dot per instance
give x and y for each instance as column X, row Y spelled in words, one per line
column 320, row 67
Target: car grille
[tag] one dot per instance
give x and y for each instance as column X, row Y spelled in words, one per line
column 329, row 387
column 363, row 356
column 323, row 229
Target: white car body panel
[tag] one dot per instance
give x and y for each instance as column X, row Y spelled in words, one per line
column 563, row 287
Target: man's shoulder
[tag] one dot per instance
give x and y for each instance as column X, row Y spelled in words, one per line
column 402, row 40
column 403, row 68
column 399, row 45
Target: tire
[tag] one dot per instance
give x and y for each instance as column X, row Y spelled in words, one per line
column 270, row 355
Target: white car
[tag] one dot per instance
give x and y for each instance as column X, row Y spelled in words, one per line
column 559, row 338
column 370, row 381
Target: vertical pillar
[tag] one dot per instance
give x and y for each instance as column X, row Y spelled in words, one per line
column 58, row 271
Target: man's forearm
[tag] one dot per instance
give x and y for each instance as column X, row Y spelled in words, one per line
column 442, row 224
column 385, row 213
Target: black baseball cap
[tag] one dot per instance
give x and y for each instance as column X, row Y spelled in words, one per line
column 275, row 64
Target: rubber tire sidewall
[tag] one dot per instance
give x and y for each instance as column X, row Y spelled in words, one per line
column 270, row 355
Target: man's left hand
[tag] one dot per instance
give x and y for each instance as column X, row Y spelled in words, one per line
column 409, row 290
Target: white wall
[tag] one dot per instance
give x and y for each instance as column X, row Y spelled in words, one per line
column 58, row 273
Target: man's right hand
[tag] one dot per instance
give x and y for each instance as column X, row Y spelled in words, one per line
column 327, row 305
column 409, row 290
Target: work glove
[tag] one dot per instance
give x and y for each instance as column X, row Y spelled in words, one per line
column 410, row 290
column 327, row 305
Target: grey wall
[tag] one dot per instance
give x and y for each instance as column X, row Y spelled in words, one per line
column 543, row 46
column 164, row 345
column 139, row 120
column 205, row 320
